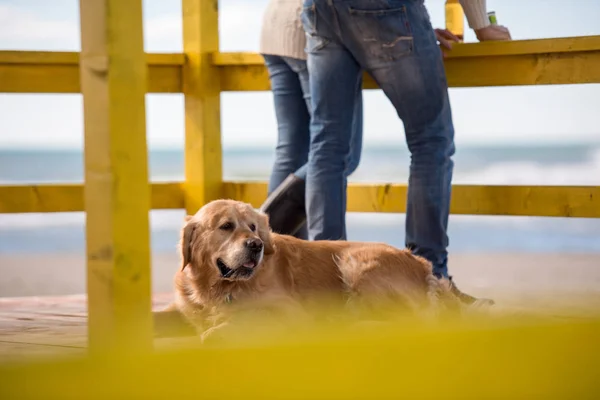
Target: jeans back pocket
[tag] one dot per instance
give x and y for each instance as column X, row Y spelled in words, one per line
column 385, row 31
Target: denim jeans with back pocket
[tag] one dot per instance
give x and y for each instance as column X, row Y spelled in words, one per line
column 394, row 41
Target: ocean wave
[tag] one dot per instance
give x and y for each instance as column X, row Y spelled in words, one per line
column 159, row 220
column 586, row 172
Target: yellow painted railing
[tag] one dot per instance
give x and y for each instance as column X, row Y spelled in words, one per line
column 113, row 74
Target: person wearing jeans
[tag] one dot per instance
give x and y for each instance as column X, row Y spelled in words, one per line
column 282, row 46
column 394, row 41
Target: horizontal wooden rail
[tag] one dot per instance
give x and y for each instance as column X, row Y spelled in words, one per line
column 462, row 50
column 548, row 201
column 69, row 197
column 523, row 62
column 520, row 62
column 58, row 72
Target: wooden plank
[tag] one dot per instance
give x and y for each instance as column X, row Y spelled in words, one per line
column 57, row 325
column 116, row 193
column 464, row 71
column 550, row 201
column 38, row 58
column 202, row 91
column 58, row 72
column 237, row 59
column 254, row 78
column 69, row 198
column 455, row 18
column 565, row 45
column 576, row 44
column 40, row 198
column 50, row 78
column 530, row 69
column 520, row 62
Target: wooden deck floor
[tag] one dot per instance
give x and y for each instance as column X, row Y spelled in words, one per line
column 40, row 327
column 50, row 326
column 554, row 286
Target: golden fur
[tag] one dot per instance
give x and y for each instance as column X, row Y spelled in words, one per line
column 220, row 276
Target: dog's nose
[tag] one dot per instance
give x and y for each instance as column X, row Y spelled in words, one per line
column 254, row 244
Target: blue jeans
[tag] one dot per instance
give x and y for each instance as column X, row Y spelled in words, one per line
column 393, row 41
column 291, row 94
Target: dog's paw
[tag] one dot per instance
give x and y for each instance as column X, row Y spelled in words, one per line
column 214, row 335
column 480, row 308
column 483, row 303
column 210, row 337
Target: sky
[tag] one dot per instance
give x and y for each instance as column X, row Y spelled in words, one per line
column 508, row 115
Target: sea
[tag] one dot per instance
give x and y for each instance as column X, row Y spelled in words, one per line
column 474, row 164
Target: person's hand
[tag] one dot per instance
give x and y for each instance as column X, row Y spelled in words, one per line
column 445, row 37
column 493, row 32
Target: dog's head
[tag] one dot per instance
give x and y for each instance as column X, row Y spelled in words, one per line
column 225, row 238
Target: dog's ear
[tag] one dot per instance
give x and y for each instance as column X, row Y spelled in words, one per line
column 264, row 232
column 186, row 242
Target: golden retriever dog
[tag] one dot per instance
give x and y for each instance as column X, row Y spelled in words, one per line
column 231, row 261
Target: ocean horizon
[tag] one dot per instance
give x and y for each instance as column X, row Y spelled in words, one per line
column 577, row 164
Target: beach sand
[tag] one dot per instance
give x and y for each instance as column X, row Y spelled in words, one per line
column 540, row 281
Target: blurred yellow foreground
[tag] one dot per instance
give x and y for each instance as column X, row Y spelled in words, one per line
column 478, row 358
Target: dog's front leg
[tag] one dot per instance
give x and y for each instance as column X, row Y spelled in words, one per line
column 214, row 334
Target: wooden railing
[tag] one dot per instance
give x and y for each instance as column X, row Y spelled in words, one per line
column 113, row 74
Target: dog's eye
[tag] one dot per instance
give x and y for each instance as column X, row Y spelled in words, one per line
column 252, row 227
column 227, row 226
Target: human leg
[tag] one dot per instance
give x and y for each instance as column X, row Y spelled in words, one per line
column 334, row 78
column 287, row 216
column 285, row 204
column 396, row 45
column 395, row 42
column 353, row 158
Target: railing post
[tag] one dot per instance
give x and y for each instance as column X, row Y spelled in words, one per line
column 455, row 21
column 201, row 88
column 117, row 194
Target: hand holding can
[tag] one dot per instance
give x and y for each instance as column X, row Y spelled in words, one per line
column 493, row 31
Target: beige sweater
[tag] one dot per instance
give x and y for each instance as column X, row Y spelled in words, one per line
column 476, row 13
column 282, row 33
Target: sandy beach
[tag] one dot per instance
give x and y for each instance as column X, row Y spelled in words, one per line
column 541, row 281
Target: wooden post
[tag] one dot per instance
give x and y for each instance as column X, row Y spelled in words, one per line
column 117, row 194
column 201, row 88
column 455, row 20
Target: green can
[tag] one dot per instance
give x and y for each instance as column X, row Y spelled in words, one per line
column 492, row 17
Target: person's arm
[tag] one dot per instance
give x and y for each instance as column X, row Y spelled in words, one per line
column 476, row 13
